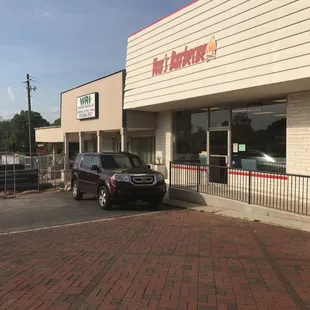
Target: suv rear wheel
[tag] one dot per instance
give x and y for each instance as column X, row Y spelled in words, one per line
column 103, row 199
column 76, row 194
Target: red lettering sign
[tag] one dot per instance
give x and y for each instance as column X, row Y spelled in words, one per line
column 188, row 57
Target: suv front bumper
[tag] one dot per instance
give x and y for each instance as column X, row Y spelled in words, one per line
column 128, row 192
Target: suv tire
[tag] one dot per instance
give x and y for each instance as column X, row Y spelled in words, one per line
column 76, row 194
column 155, row 204
column 103, row 199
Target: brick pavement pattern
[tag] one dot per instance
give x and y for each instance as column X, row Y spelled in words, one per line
column 170, row 260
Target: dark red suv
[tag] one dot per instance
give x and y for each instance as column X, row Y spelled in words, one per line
column 116, row 178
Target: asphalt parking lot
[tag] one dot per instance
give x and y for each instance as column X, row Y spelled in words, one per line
column 52, row 209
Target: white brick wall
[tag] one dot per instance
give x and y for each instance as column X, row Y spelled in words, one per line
column 289, row 193
column 188, row 176
column 298, row 134
column 164, row 138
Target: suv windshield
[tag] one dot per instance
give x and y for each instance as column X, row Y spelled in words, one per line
column 121, row 161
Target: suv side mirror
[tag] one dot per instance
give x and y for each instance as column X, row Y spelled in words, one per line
column 94, row 168
column 149, row 166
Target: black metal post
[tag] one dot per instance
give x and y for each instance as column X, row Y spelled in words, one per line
column 250, row 184
column 198, row 178
column 170, row 166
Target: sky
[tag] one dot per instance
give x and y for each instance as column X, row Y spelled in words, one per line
column 65, row 43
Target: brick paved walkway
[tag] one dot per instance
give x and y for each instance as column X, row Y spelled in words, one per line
column 171, row 260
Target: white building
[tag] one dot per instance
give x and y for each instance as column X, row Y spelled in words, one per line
column 230, row 81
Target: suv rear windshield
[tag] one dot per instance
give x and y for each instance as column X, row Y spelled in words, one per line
column 121, row 161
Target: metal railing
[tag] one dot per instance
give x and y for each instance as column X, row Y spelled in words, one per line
column 280, row 191
column 267, row 167
column 18, row 174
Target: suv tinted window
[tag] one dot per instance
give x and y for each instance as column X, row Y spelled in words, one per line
column 137, row 162
column 77, row 161
column 120, row 161
column 95, row 161
column 86, row 161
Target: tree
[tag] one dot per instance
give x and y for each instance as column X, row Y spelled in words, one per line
column 57, row 122
column 5, row 131
column 242, row 131
column 242, row 119
column 18, row 140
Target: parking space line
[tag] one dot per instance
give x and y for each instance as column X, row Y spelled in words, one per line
column 77, row 223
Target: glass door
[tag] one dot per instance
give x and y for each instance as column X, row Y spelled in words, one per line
column 218, row 156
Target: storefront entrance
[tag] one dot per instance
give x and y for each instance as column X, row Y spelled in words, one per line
column 218, row 158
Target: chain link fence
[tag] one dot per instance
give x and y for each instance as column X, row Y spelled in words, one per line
column 20, row 173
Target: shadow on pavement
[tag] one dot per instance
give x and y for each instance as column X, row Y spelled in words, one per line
column 52, row 209
column 140, row 207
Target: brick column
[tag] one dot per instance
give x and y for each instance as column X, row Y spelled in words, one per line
column 81, row 142
column 66, row 151
column 164, row 138
column 298, row 134
column 99, row 141
column 123, row 140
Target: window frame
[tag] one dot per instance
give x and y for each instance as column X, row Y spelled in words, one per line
column 98, row 158
column 81, row 164
column 77, row 163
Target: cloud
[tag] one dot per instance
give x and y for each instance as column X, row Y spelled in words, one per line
column 11, row 94
column 42, row 12
column 56, row 109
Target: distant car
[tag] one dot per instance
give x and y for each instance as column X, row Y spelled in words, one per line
column 116, row 178
column 264, row 161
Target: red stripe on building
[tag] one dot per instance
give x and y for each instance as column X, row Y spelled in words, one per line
column 193, row 168
column 259, row 175
column 235, row 172
column 157, row 21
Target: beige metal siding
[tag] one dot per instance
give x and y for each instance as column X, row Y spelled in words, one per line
column 259, row 43
column 110, row 91
column 49, row 135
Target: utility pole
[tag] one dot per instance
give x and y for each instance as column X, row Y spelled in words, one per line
column 29, row 89
column 29, row 118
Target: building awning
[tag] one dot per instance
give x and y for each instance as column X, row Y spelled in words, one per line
column 50, row 134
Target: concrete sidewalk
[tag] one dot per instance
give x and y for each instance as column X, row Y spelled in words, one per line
column 240, row 210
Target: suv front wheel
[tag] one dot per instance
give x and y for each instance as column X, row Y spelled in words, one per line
column 103, row 199
column 155, row 204
column 76, row 194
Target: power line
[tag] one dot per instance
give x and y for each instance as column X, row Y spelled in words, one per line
column 35, row 79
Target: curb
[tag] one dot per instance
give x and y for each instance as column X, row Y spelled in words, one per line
column 176, row 206
column 294, row 225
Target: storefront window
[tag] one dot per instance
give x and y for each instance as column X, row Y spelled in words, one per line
column 219, row 117
column 190, row 135
column 259, row 136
